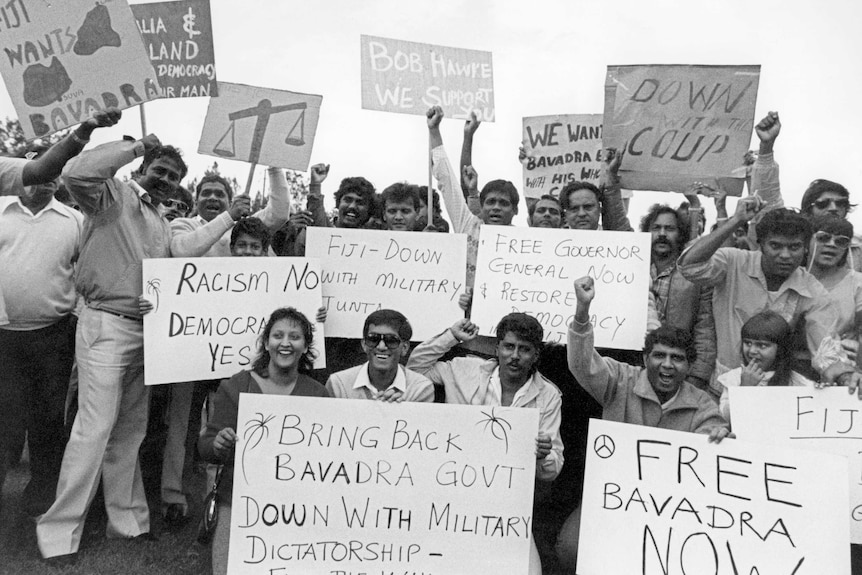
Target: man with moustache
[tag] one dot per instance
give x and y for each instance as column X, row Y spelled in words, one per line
column 546, row 212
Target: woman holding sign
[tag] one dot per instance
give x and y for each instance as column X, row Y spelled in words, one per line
column 285, row 356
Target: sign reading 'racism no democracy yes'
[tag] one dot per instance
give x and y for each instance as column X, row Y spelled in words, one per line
column 824, row 420
column 367, row 270
column 680, row 124
column 209, row 312
column 64, row 61
column 532, row 270
column 342, row 486
column 261, row 126
column 561, row 149
column 408, row 78
column 676, row 504
column 179, row 41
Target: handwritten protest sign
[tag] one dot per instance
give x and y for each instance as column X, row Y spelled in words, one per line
column 824, row 420
column 680, row 124
column 338, row 486
column 261, row 126
column 561, row 149
column 532, row 270
column 677, row 504
column 367, row 270
column 408, row 78
column 179, row 41
column 64, row 61
column 209, row 312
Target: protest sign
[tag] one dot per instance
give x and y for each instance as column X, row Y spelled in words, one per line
column 179, row 41
column 367, row 270
column 340, row 486
column 532, row 270
column 815, row 419
column 681, row 124
column 261, row 126
column 561, row 149
column 676, row 504
column 408, row 78
column 209, row 312
column 65, row 61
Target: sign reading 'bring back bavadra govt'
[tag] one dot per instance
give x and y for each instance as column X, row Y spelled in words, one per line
column 680, row 124
column 209, row 312
column 408, row 78
column 337, row 486
column 532, row 270
column 659, row 502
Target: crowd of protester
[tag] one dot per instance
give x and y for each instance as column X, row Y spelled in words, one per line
column 769, row 297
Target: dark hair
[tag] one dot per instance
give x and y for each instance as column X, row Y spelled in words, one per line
column 672, row 337
column 185, row 195
column 359, row 186
column 770, row 326
column 423, row 198
column 306, row 362
column 503, row 186
column 169, row 153
column 783, row 222
column 574, row 187
column 389, row 318
column 401, row 193
column 531, row 206
column 252, row 227
column 526, row 327
column 681, row 223
column 819, row 187
column 838, row 227
column 210, row 178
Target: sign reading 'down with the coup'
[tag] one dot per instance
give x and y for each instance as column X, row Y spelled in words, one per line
column 532, row 270
column 64, row 61
column 680, row 123
column 261, row 126
column 367, row 270
column 825, row 420
column 408, row 78
column 561, row 149
column 338, row 486
column 659, row 502
column 209, row 312
column 179, row 41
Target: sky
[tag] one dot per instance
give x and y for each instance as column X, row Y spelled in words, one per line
column 549, row 57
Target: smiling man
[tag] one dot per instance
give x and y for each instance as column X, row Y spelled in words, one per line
column 385, row 340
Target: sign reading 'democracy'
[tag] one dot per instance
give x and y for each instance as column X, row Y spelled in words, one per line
column 680, row 124
column 825, row 420
column 338, row 486
column 64, row 61
column 532, row 270
column 677, row 504
column 367, row 270
column 209, row 312
column 561, row 149
column 408, row 78
column 261, row 126
column 179, row 40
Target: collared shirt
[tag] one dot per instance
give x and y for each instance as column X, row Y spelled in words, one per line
column 11, row 184
column 42, row 248
column 661, row 288
column 354, row 383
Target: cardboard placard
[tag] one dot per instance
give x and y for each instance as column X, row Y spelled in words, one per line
column 681, row 124
column 367, row 270
column 561, row 149
column 532, row 270
column 261, row 126
column 179, row 40
column 351, row 486
column 209, row 312
column 408, row 78
column 678, row 504
column 64, row 61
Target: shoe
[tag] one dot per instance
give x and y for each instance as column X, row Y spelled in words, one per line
column 147, row 537
column 61, row 560
column 175, row 515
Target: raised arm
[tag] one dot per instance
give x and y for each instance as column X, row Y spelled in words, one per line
column 765, row 182
column 277, row 210
column 614, row 216
column 423, row 359
column 188, row 240
column 703, row 249
column 469, row 188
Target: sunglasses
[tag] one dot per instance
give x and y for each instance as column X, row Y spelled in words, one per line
column 822, row 204
column 825, row 237
column 390, row 341
column 182, row 206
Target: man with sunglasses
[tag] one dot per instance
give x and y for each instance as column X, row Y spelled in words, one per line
column 385, row 340
column 178, row 206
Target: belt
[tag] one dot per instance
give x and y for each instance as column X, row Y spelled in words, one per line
column 122, row 315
